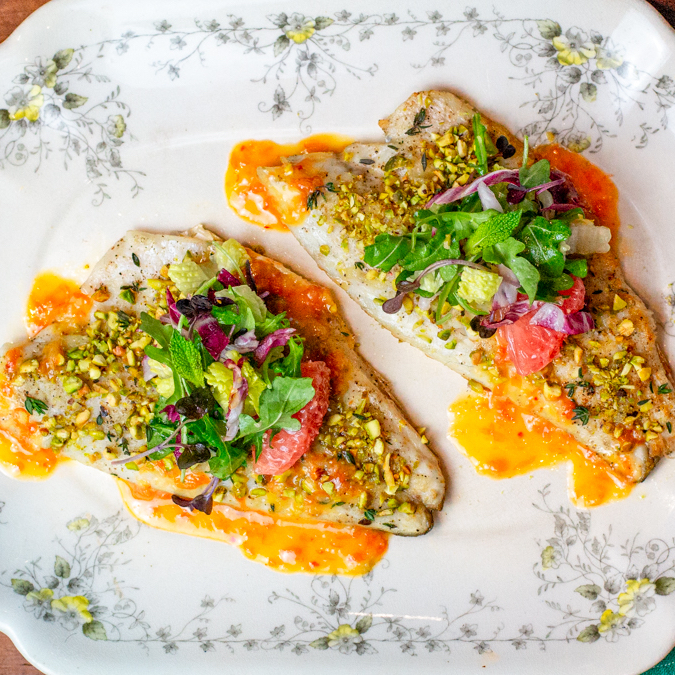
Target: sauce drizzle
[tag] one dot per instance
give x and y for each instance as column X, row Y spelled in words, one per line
column 284, row 545
column 503, row 441
column 248, row 196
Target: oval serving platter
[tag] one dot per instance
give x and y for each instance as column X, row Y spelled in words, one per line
column 127, row 114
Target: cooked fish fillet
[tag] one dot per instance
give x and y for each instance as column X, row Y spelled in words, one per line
column 352, row 381
column 629, row 436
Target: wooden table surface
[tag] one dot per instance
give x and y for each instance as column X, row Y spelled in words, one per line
column 12, row 13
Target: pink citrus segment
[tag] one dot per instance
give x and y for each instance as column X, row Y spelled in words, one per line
column 288, row 446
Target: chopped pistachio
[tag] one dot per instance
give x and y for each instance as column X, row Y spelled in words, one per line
column 619, row 303
column 71, row 384
column 372, row 427
column 626, row 328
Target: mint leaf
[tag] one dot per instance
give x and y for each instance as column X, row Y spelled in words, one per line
column 506, row 253
column 386, row 251
column 493, row 231
column 537, row 174
column 284, row 398
column 543, row 238
column 186, row 358
column 577, row 267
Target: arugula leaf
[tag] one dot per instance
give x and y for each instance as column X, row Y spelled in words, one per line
column 156, row 330
column 156, row 433
column 296, row 350
column 270, row 323
column 493, row 231
column 506, row 253
column 479, row 143
column 537, row 174
column 543, row 238
column 462, row 223
column 228, row 315
column 386, row 251
column 186, row 358
column 284, row 398
column 569, row 216
column 227, row 461
column 578, row 267
column 208, row 431
column 437, row 248
column 549, row 287
column 252, row 309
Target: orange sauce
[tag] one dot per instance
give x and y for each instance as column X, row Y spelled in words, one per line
column 286, row 545
column 595, row 187
column 503, row 441
column 54, row 298
column 21, row 455
column 51, row 299
column 248, row 196
column 283, row 545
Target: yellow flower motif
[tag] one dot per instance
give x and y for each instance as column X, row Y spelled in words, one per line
column 40, row 597
column 638, row 598
column 73, row 605
column 299, row 28
column 610, row 621
column 343, row 633
column 607, row 59
column 48, row 74
column 572, row 49
column 29, row 106
column 579, row 143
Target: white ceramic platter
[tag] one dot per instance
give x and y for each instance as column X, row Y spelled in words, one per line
column 133, row 130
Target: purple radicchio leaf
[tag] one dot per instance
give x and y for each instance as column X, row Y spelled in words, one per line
column 552, row 317
column 455, row 194
column 249, row 276
column 147, row 373
column 504, row 316
column 246, row 342
column 171, row 413
column 237, row 398
column 278, row 338
column 202, row 502
column 227, row 279
column 214, row 338
column 174, row 314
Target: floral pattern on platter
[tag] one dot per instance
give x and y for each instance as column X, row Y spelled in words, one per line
column 43, row 114
column 620, row 590
column 570, row 72
column 619, row 587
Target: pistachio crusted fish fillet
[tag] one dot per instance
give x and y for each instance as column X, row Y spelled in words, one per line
column 366, row 465
column 610, row 387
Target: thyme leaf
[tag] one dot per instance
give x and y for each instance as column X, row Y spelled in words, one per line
column 582, row 414
column 417, row 127
column 35, row 405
